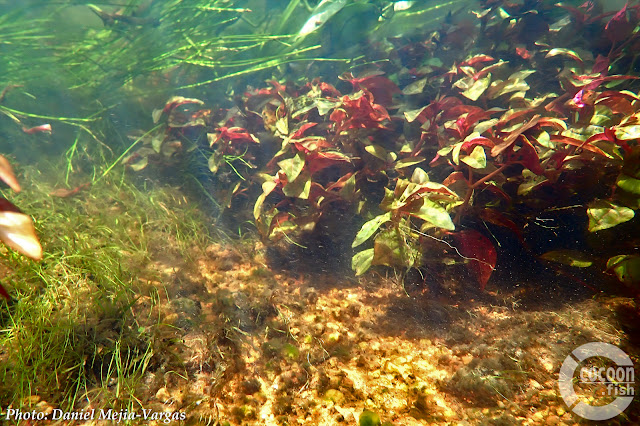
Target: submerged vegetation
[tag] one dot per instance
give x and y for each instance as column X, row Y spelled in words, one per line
column 478, row 151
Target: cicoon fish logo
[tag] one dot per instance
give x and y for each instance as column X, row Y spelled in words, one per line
column 613, row 381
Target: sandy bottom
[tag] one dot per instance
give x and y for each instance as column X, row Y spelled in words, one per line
column 240, row 344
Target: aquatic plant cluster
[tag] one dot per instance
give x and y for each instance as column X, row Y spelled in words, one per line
column 490, row 125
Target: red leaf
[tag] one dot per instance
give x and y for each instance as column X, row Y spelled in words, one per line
column 176, row 101
column 328, row 89
column 610, row 135
column 619, row 28
column 577, row 142
column 510, row 140
column 321, row 160
column 523, row 53
column 340, row 183
column 381, row 87
column 311, row 144
column 529, row 157
column 359, row 113
column 601, row 65
column 478, row 59
column 235, row 134
column 453, row 178
column 466, row 146
column 298, row 134
column 479, row 251
column 497, row 218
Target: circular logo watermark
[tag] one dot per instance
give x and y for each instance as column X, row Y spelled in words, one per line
column 613, row 381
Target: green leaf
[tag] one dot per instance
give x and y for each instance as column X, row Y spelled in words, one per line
column 434, row 213
column 477, row 159
column 369, row 228
column 628, row 132
column 299, row 188
column 378, row 152
column 361, row 261
column 410, row 161
column 393, row 248
column 413, row 114
column 626, row 268
column 629, row 184
column 603, row 215
column 369, row 418
column 282, row 126
column 564, row 52
column 325, row 105
column 478, row 88
column 292, row 166
column 214, row 163
column 267, row 187
column 416, row 87
column 568, row 257
column 419, row 176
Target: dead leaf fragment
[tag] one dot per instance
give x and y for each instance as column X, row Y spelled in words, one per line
column 18, row 233
column 7, row 175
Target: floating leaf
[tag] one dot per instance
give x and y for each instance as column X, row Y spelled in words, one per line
column 18, row 233
column 361, row 261
column 604, row 214
column 369, row 228
column 568, row 257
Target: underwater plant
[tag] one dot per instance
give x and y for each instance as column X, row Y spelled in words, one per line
column 525, row 123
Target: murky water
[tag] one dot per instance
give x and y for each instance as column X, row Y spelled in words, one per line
column 319, row 212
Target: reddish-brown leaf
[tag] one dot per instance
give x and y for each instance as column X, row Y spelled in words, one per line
column 4, row 293
column 478, row 59
column 578, row 143
column 298, row 133
column 7, row 175
column 480, row 253
column 321, row 160
column 523, row 53
column 510, row 140
column 65, row 193
column 472, row 143
column 619, row 28
column 497, row 218
column 46, row 128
